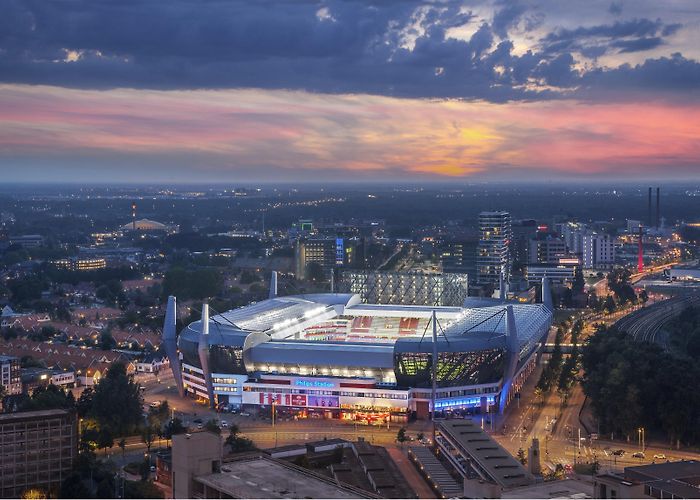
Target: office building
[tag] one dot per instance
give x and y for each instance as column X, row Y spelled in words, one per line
column 562, row 273
column 523, row 231
column 414, row 288
column 493, row 252
column 546, row 248
column 328, row 253
column 598, row 251
column 81, row 264
column 10, row 375
column 37, row 450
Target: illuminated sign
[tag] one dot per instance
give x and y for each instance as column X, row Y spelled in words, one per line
column 313, row 383
column 339, row 252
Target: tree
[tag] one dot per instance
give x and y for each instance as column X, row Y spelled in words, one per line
column 522, row 458
column 315, row 273
column 401, row 436
column 237, row 443
column 174, row 427
column 609, row 304
column 148, row 436
column 105, row 439
column 579, row 282
column 116, row 402
column 122, row 446
column 212, row 426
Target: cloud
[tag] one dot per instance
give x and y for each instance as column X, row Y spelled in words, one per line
column 405, row 48
column 615, row 8
column 222, row 135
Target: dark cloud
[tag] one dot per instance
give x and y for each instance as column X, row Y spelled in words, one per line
column 397, row 48
column 620, row 37
column 638, row 44
column 615, row 8
column 507, row 17
column 664, row 74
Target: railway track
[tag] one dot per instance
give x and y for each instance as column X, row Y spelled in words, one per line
column 645, row 324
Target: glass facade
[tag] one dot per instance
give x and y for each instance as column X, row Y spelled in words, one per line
column 413, row 369
column 226, row 359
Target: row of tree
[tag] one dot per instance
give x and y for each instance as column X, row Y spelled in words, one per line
column 636, row 384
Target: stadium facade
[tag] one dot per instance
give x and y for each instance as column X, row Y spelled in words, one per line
column 330, row 355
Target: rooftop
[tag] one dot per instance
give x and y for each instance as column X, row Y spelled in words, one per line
column 6, row 418
column 260, row 477
column 490, row 457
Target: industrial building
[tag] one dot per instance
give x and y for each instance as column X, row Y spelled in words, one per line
column 332, row 356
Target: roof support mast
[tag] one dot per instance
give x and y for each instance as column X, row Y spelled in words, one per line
column 433, row 394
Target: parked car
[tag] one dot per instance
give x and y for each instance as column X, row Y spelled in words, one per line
column 155, row 404
column 638, row 454
column 224, row 424
column 200, row 426
column 659, row 456
column 198, row 421
column 619, row 453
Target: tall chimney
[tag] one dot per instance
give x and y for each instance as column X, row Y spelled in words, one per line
column 658, row 208
column 650, row 220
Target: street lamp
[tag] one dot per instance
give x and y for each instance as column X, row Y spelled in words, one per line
column 640, row 433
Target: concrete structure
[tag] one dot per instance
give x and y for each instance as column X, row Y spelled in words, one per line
column 199, row 471
column 487, row 468
column 679, row 479
column 194, row 455
column 37, row 450
column 414, row 288
column 10, row 375
column 565, row 488
column 335, row 357
column 493, row 252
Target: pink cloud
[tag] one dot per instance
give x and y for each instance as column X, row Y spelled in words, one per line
column 220, row 131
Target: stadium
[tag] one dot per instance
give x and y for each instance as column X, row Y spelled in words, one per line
column 331, row 356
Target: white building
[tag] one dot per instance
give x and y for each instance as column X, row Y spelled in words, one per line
column 598, row 251
column 493, row 252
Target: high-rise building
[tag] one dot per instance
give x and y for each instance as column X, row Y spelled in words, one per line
column 493, row 252
column 598, row 251
column 329, row 253
column 546, row 249
column 37, row 450
column 10, row 374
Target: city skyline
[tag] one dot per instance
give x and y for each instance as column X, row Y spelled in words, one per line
column 349, row 91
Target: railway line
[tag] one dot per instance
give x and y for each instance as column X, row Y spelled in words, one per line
column 645, row 324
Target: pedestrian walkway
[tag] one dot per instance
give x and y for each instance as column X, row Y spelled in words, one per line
column 415, row 481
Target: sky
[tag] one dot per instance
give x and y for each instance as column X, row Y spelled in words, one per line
column 95, row 91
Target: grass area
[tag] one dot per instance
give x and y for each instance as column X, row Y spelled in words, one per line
column 586, row 469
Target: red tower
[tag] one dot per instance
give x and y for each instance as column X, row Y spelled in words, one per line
column 640, row 252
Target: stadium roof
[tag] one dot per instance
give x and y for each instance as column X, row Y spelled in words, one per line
column 284, row 319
